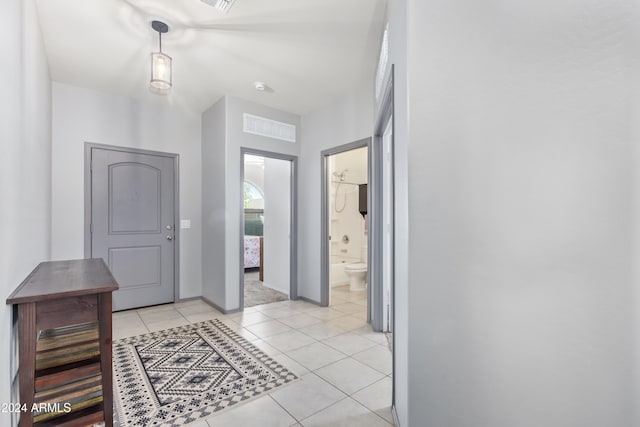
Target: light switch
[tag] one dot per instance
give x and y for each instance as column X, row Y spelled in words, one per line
column 185, row 223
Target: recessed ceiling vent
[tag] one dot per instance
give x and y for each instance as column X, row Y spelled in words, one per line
column 222, row 5
column 269, row 128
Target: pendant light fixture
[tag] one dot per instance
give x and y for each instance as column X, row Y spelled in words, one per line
column 160, row 62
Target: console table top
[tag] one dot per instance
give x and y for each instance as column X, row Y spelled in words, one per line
column 59, row 279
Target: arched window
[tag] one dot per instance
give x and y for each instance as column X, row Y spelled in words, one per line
column 253, row 198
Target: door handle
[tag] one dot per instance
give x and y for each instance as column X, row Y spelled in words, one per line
column 169, row 237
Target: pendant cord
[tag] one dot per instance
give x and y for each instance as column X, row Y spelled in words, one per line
column 160, row 34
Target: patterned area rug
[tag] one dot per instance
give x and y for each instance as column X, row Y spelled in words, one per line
column 180, row 375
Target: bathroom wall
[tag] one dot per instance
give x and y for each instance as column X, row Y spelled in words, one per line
column 346, row 223
column 356, row 163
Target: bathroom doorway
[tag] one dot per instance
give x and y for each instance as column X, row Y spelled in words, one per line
column 345, row 218
column 268, row 233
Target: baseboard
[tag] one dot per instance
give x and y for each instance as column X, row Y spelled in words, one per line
column 220, row 309
column 237, row 310
column 309, row 300
column 394, row 414
column 189, row 299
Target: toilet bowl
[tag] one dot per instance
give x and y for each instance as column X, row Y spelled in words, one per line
column 357, row 274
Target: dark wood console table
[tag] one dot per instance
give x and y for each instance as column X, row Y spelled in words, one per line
column 64, row 342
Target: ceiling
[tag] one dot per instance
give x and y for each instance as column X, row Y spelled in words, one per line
column 307, row 51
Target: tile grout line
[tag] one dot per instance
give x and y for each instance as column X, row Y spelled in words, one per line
column 327, row 407
column 142, row 320
column 321, row 322
column 174, row 309
column 283, row 408
column 348, row 396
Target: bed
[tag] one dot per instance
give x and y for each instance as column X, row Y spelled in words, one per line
column 252, row 251
column 253, row 241
column 253, row 255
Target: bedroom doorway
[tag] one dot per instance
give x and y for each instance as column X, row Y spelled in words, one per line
column 268, row 264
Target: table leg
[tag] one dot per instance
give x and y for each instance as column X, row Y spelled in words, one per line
column 27, row 336
column 104, row 327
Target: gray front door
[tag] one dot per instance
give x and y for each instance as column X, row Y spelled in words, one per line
column 132, row 224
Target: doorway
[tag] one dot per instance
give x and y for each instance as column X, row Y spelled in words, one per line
column 268, row 228
column 346, row 252
column 348, row 178
column 131, row 204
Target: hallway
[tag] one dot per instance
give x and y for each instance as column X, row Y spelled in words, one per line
column 344, row 367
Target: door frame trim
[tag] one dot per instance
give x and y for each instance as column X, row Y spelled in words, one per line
column 88, row 147
column 385, row 116
column 293, row 226
column 386, row 113
column 324, row 217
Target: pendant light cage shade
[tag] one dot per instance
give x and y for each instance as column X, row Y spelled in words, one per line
column 161, row 71
column 161, row 79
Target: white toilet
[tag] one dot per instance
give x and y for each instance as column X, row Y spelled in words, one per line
column 357, row 274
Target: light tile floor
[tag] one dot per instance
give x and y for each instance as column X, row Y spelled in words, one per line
column 344, row 367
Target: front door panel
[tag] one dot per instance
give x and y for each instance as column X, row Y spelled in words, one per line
column 132, row 221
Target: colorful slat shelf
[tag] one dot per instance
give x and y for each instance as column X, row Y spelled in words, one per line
column 64, row 326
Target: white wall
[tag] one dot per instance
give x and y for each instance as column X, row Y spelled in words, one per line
column 235, row 138
column 213, row 208
column 83, row 115
column 521, row 182
column 346, row 120
column 255, row 175
column 25, row 161
column 635, row 136
column 277, row 223
column 397, row 19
